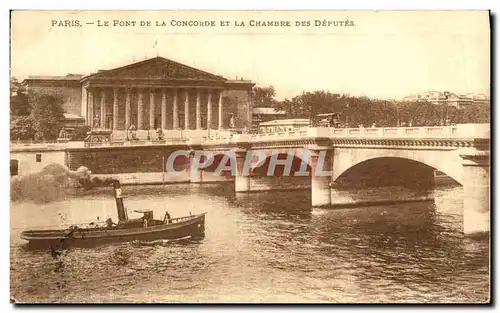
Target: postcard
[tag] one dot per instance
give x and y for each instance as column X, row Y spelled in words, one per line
column 250, row 157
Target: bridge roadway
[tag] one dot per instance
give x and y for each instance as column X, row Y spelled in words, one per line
column 384, row 155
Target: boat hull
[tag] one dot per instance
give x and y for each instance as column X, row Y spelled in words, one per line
column 193, row 227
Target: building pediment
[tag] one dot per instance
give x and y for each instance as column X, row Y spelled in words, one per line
column 155, row 69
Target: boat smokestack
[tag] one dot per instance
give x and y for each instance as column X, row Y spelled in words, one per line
column 122, row 213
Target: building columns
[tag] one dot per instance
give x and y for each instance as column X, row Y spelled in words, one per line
column 198, row 109
column 209, row 110
column 127, row 108
column 163, row 109
column 220, row 110
column 186, row 109
column 476, row 194
column 84, row 107
column 175, row 111
column 115, row 108
column 103, row 108
column 139, row 109
column 152, row 109
column 90, row 114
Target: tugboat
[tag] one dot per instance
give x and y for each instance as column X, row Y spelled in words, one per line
column 141, row 229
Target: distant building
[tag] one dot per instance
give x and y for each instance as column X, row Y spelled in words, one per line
column 449, row 98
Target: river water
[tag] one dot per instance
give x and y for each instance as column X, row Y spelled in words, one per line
column 259, row 247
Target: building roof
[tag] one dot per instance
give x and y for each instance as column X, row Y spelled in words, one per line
column 69, row 78
column 267, row 111
column 158, row 67
column 146, row 72
column 46, row 77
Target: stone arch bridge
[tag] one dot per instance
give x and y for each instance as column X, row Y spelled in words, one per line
column 376, row 156
column 330, row 158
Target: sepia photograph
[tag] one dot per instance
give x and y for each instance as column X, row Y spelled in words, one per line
column 250, row 157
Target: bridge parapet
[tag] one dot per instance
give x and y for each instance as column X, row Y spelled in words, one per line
column 460, row 131
column 474, row 131
column 480, row 131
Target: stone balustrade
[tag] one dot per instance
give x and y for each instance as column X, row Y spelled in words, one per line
column 217, row 137
column 454, row 131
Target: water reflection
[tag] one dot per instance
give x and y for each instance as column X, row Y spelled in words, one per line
column 267, row 246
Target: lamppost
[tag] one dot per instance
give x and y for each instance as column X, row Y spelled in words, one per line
column 397, row 114
column 445, row 119
column 346, row 114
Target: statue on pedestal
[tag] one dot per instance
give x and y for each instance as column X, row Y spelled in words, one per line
column 62, row 133
column 97, row 123
column 159, row 134
column 132, row 131
column 232, row 122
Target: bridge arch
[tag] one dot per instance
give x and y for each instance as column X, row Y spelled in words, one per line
column 447, row 162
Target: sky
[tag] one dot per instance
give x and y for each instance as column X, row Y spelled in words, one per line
column 382, row 54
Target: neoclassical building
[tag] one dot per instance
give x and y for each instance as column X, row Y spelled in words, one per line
column 151, row 94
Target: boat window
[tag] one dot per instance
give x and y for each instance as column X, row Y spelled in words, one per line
column 38, row 157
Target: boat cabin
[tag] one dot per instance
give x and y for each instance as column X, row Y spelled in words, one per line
column 147, row 214
column 147, row 220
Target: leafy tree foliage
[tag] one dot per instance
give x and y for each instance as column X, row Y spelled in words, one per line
column 19, row 103
column 356, row 111
column 263, row 97
column 20, row 128
column 46, row 115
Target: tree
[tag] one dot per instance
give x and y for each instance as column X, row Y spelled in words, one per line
column 263, row 97
column 46, row 113
column 355, row 111
column 19, row 102
column 21, row 128
column 475, row 113
column 309, row 104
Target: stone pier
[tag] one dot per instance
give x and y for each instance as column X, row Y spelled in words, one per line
column 321, row 176
column 476, row 194
column 241, row 180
